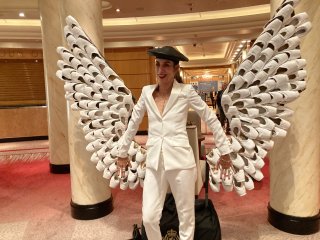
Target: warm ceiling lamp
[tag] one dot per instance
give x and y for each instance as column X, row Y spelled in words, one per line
column 21, row 14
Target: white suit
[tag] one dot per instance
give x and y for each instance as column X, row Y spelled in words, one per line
column 170, row 160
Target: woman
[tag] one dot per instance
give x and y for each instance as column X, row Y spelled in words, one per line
column 170, row 160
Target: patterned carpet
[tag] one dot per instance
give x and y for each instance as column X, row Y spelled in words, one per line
column 35, row 205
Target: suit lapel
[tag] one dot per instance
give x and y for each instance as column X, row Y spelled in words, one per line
column 152, row 102
column 176, row 89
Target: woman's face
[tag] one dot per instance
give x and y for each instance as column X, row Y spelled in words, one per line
column 166, row 70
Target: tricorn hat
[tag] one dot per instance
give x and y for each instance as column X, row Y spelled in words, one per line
column 169, row 53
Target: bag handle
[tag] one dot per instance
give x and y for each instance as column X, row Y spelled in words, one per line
column 206, row 184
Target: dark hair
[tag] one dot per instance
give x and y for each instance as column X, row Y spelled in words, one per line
column 177, row 75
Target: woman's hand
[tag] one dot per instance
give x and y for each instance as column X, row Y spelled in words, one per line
column 122, row 165
column 226, row 166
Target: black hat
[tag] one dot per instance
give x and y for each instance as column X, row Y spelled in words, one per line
column 169, row 53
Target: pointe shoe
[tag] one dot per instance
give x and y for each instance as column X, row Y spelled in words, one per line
column 257, row 161
column 248, row 166
column 235, row 145
column 265, row 123
column 141, row 181
column 227, row 184
column 248, row 183
column 239, row 94
column 249, row 132
column 263, row 133
column 299, row 19
column 291, row 66
column 95, row 158
column 257, row 175
column 265, row 144
column 100, row 166
column 113, row 168
column 215, row 174
column 298, row 76
column 239, row 188
column 107, row 174
column 278, row 132
column 290, row 44
column 108, row 159
column 132, row 175
column 237, row 160
column 239, row 175
column 283, row 112
column 262, row 98
column 213, row 156
column 124, row 184
column 249, row 121
column 246, row 142
column 133, row 185
column 141, row 155
column 260, row 151
column 236, row 83
column 133, row 149
column 215, row 186
column 243, row 103
column 298, row 85
column 235, row 126
column 281, row 123
column 141, row 171
column 114, row 181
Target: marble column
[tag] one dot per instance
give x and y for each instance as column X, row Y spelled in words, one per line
column 295, row 159
column 91, row 195
column 56, row 104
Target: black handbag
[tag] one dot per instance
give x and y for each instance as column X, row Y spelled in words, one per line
column 207, row 225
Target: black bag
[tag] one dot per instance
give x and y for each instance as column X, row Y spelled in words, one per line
column 207, row 225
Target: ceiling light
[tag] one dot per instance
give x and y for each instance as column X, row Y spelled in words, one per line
column 118, row 10
column 21, row 14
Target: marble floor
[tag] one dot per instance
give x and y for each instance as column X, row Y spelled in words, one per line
column 35, row 205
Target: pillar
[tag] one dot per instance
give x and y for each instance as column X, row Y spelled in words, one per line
column 294, row 161
column 56, row 104
column 90, row 192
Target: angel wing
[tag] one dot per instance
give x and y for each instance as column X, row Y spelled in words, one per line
column 271, row 75
column 104, row 102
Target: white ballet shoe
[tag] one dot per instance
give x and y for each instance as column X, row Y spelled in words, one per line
column 215, row 174
column 227, row 184
column 257, row 161
column 239, row 94
column 290, row 44
column 257, row 175
column 95, row 158
column 298, row 85
column 299, row 19
column 298, row 76
column 215, row 186
column 248, row 166
column 283, row 112
column 120, row 128
column 235, row 126
column 265, row 144
column 235, row 145
column 250, row 121
column 262, row 98
column 254, row 90
column 232, row 112
column 278, row 132
column 243, row 103
column 291, row 66
column 246, row 152
column 237, row 160
column 132, row 176
column 133, row 163
column 213, row 157
column 95, row 145
column 249, row 132
column 239, row 175
column 239, row 188
column 107, row 174
column 133, row 148
column 289, row 96
column 246, row 142
column 260, row 151
column 275, row 24
column 281, row 123
column 114, row 181
column 265, row 123
column 141, row 181
column 237, row 83
column 263, row 133
column 248, row 183
column 134, row 185
column 251, row 112
column 113, row 168
column 124, row 184
column 108, row 159
column 141, row 170
column 141, row 155
column 100, row 166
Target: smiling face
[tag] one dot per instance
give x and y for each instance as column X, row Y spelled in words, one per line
column 166, row 70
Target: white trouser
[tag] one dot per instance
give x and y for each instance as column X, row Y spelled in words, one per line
column 182, row 184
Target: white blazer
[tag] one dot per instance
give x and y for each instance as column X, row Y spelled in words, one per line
column 167, row 132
